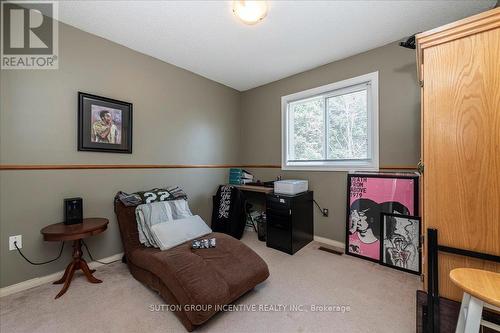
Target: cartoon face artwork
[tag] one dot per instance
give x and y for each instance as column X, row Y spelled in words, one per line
column 364, row 233
column 401, row 242
column 364, row 214
column 359, row 221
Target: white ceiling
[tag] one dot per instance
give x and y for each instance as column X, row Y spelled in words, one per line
column 204, row 37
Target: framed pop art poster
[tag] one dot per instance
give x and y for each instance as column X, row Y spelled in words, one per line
column 369, row 195
column 400, row 248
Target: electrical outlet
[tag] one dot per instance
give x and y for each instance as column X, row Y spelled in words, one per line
column 325, row 212
column 19, row 241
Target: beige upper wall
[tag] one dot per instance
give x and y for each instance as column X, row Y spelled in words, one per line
column 399, row 105
column 399, row 129
column 179, row 117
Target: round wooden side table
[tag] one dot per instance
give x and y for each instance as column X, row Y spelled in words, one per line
column 75, row 232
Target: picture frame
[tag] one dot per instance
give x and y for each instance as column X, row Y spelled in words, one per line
column 104, row 124
column 369, row 195
column 401, row 247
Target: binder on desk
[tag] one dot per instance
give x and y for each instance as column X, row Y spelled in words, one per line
column 239, row 176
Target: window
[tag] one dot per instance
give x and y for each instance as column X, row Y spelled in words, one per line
column 333, row 127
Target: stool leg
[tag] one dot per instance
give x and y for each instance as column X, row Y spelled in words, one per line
column 474, row 314
column 463, row 314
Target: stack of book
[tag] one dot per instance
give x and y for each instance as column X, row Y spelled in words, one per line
column 240, row 176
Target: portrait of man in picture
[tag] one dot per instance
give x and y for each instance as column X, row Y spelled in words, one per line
column 106, row 125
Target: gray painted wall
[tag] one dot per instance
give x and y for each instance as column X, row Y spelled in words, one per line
column 179, row 117
column 399, row 116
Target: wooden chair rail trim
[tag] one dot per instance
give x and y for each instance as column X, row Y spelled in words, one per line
column 20, row 167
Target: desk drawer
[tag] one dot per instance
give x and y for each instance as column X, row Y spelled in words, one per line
column 278, row 221
column 279, row 236
column 278, row 202
column 276, row 208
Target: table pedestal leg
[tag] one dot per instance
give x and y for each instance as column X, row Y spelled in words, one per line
column 77, row 263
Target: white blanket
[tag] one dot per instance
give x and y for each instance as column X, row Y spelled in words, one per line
column 170, row 234
column 148, row 215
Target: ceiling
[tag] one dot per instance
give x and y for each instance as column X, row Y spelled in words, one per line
column 204, row 37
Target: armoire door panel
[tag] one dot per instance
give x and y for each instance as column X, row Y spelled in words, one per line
column 461, row 148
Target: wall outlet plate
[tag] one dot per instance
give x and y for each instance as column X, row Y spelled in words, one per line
column 18, row 239
column 325, row 212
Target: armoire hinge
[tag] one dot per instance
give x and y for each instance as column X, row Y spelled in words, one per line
column 420, row 167
column 421, row 74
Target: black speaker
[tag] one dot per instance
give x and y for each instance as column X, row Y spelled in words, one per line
column 73, row 210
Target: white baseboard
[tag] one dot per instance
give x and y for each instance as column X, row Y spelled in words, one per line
column 38, row 281
column 329, row 241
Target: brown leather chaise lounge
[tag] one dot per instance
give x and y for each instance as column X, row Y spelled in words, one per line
column 184, row 276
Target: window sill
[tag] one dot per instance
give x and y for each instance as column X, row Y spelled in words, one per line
column 345, row 168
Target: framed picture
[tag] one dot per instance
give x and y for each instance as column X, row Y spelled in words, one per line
column 401, row 242
column 369, row 195
column 104, row 124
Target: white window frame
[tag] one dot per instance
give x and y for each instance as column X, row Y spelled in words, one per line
column 372, row 163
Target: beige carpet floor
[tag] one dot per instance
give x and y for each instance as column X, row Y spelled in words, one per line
column 380, row 300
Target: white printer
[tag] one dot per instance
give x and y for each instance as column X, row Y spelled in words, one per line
column 290, row 186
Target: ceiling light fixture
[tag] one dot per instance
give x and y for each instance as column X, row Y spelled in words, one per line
column 250, row 12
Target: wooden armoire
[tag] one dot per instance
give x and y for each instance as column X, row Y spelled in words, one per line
column 459, row 72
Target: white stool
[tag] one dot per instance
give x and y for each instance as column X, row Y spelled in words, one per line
column 481, row 289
